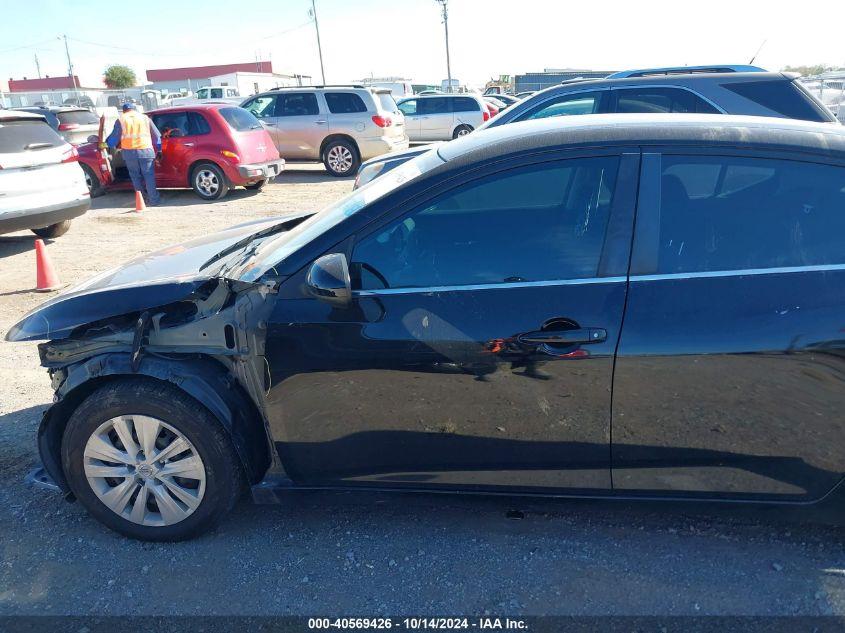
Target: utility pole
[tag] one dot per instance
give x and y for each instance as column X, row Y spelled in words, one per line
column 444, row 4
column 38, row 65
column 319, row 46
column 70, row 68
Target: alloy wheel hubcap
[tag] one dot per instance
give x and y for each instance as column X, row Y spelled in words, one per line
column 207, row 182
column 463, row 132
column 340, row 159
column 144, row 470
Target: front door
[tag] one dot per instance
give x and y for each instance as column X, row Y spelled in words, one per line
column 478, row 349
column 412, row 118
column 730, row 378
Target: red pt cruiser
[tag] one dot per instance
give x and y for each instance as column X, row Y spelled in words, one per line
column 208, row 147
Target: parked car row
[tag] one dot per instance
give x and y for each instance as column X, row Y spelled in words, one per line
column 707, row 90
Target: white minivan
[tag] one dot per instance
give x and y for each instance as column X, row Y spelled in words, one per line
column 42, row 186
column 442, row 117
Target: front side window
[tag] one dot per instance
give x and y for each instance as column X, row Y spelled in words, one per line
column 344, row 103
column 408, row 108
column 262, row 107
column 661, row 100
column 216, row 93
column 720, row 213
column 297, row 104
column 565, row 105
column 535, row 223
column 202, row 93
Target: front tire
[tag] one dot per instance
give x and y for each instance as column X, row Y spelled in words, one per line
column 209, row 182
column 54, row 230
column 341, row 158
column 150, row 462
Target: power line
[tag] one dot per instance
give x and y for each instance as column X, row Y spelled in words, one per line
column 18, row 48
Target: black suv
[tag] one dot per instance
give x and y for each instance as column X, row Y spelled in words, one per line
column 703, row 90
column 645, row 306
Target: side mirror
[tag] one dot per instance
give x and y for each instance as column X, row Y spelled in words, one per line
column 328, row 279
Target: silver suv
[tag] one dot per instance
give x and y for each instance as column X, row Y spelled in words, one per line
column 338, row 125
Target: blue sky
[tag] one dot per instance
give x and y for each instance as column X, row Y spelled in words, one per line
column 405, row 37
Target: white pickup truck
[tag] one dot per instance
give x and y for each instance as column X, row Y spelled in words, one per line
column 226, row 94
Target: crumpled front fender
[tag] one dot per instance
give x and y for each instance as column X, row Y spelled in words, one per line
column 206, row 380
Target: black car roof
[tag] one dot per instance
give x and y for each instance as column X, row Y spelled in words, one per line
column 683, row 79
column 598, row 130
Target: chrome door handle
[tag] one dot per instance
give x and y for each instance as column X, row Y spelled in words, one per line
column 580, row 336
column 320, row 122
column 187, row 144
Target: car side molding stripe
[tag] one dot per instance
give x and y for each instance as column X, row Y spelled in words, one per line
column 502, row 286
column 741, row 273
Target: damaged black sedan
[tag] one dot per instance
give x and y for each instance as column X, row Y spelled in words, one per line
column 604, row 306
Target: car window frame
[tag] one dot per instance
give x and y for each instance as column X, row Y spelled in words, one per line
column 552, row 99
column 646, row 241
column 614, row 258
column 282, row 96
column 613, row 98
column 274, row 99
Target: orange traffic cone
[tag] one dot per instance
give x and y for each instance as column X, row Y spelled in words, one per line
column 46, row 277
column 139, row 202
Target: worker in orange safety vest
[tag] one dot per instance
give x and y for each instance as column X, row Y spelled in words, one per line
column 140, row 144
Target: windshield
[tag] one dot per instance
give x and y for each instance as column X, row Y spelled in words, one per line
column 272, row 251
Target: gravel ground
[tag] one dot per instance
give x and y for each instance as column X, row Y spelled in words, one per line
column 356, row 554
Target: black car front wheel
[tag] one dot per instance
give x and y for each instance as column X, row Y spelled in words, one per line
column 149, row 461
column 209, row 182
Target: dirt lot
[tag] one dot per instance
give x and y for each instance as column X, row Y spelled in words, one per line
column 330, row 554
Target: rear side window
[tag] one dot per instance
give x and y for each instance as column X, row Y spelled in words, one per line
column 565, row 105
column 661, row 100
column 438, row 105
column 344, row 103
column 80, row 117
column 28, row 135
column 240, row 119
column 465, row 104
column 780, row 96
column 297, row 104
column 386, row 101
column 737, row 213
column 535, row 223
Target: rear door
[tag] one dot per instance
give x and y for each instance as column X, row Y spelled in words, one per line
column 181, row 132
column 301, row 123
column 478, row 350
column 730, row 375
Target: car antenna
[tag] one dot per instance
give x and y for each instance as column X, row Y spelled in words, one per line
column 758, row 52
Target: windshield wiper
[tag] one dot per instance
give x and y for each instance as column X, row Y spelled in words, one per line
column 242, row 243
